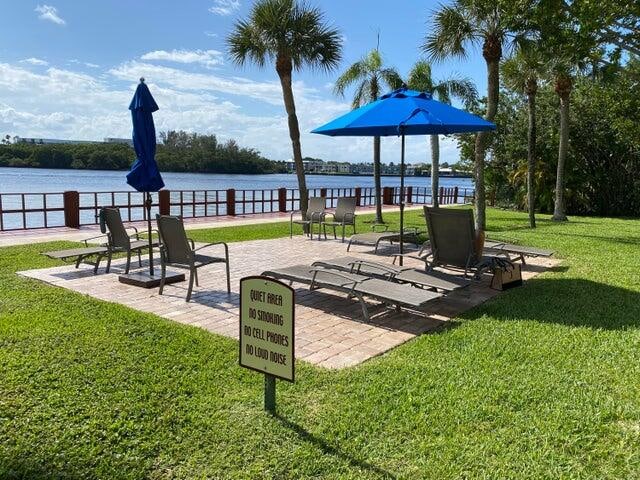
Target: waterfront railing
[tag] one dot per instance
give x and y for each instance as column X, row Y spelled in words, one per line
column 21, row 211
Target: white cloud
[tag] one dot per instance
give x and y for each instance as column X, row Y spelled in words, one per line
column 62, row 103
column 208, row 58
column 224, row 7
column 35, row 61
column 211, row 34
column 86, row 64
column 47, row 12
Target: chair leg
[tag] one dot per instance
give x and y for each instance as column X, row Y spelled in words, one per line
column 126, row 270
column 291, row 229
column 195, row 274
column 228, row 277
column 163, row 275
column 343, row 231
column 140, row 259
column 108, row 262
column 191, row 277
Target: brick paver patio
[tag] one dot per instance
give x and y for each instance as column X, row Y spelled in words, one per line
column 330, row 330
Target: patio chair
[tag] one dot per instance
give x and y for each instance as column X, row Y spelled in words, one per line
column 314, row 213
column 519, row 251
column 118, row 239
column 358, row 286
column 177, row 250
column 344, row 215
column 452, row 242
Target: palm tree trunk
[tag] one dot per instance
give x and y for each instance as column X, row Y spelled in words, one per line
column 376, row 179
column 482, row 139
column 558, row 210
column 294, row 133
column 435, row 168
column 531, row 160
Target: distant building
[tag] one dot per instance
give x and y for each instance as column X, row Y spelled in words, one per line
column 50, row 141
column 54, row 141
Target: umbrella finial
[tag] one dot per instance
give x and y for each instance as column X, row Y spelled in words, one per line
column 141, row 79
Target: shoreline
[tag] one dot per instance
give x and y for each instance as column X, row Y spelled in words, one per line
column 457, row 175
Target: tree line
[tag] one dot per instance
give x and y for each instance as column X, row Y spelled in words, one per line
column 536, row 44
column 179, row 152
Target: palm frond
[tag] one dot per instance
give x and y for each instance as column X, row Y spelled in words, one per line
column 391, row 78
column 451, row 31
column 420, row 77
column 354, row 73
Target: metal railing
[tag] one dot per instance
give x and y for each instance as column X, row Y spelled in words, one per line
column 20, row 211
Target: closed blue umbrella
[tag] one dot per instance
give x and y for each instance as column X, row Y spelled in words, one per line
column 144, row 175
column 404, row 112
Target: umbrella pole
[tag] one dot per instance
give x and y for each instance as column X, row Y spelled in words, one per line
column 401, row 199
column 148, row 205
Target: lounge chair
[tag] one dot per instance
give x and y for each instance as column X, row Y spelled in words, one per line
column 81, row 255
column 177, row 250
column 376, row 237
column 119, row 240
column 314, row 213
column 435, row 280
column 519, row 251
column 354, row 285
column 452, row 242
column 345, row 214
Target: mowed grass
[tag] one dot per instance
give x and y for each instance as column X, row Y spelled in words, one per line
column 542, row 382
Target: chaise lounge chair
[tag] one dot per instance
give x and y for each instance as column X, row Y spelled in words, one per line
column 314, row 213
column 118, row 240
column 376, row 237
column 354, row 285
column 344, row 215
column 177, row 250
column 452, row 242
column 519, row 251
column 434, row 280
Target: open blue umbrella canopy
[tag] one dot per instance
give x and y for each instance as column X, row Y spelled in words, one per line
column 400, row 113
column 404, row 112
column 144, row 175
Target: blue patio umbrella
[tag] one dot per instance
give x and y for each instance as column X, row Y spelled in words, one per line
column 400, row 113
column 144, row 175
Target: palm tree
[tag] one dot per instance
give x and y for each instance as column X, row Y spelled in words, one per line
column 456, row 27
column 370, row 76
column 420, row 78
column 562, row 84
column 292, row 35
column 522, row 72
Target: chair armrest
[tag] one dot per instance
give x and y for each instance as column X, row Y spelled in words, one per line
column 331, row 272
column 193, row 244
column 386, row 227
column 86, row 240
column 324, row 215
column 386, row 268
column 226, row 247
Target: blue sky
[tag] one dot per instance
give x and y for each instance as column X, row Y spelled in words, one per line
column 68, row 69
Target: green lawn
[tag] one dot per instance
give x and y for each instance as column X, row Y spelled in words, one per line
column 542, row 382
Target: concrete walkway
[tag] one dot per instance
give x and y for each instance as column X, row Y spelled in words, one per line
column 22, row 237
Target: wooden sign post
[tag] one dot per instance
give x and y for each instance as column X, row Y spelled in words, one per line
column 267, row 310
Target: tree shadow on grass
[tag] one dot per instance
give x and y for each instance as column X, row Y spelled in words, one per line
column 567, row 301
column 327, row 449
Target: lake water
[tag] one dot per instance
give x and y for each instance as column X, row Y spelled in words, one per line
column 22, row 180
column 34, row 181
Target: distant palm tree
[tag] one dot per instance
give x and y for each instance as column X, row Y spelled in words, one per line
column 456, row 26
column 420, row 78
column 292, row 35
column 522, row 73
column 370, row 76
column 563, row 85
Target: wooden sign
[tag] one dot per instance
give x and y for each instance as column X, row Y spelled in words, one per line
column 267, row 327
